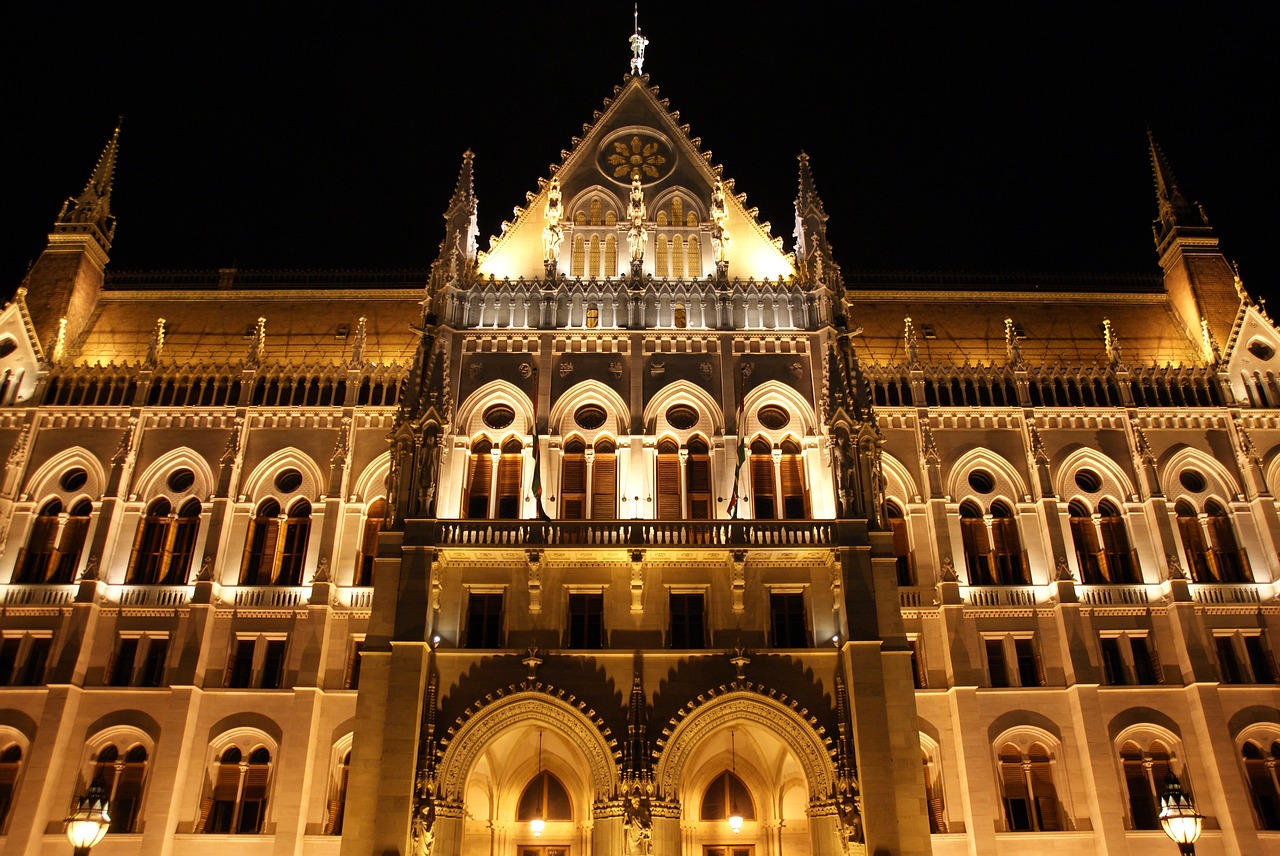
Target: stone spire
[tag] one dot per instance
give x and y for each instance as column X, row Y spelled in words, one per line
column 813, row 254
column 1175, row 211
column 93, row 206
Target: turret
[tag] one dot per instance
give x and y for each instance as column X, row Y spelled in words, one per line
column 66, row 280
column 1198, row 278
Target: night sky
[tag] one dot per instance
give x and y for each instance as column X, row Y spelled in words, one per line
column 989, row 137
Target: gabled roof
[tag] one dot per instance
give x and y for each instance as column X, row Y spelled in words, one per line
column 639, row 131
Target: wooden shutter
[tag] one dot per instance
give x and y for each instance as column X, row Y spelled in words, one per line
column 573, row 487
column 762, row 487
column 206, row 807
column 604, row 487
column 509, row 485
column 699, row 485
column 1015, row 789
column 476, row 503
column 668, row 487
column 1046, row 796
column 69, row 547
column 794, row 505
column 181, row 549
column 1142, row 810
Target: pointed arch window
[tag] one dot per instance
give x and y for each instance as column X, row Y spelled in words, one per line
column 338, row 801
column 595, row 211
column 668, row 493
column 53, row 548
column 593, row 261
column 1119, row 562
column 510, row 480
column 901, row 544
column 677, row 257
column 695, row 254
column 237, row 802
column 1006, row 553
column 604, row 482
column 1230, row 562
column 726, row 796
column 10, row 766
column 933, row 794
column 122, row 780
column 698, row 479
column 1145, row 776
column 762, row 486
column 479, row 480
column 1028, row 791
column 1262, row 771
column 293, row 544
column 544, row 798
column 610, row 253
column 795, row 499
column 610, row 218
column 1084, row 536
column 579, row 254
column 573, row 481
column 276, row 548
column 1193, row 543
column 677, row 210
column 976, row 544
column 660, row 257
column 373, row 520
column 165, row 544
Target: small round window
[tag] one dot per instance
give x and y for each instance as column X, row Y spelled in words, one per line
column 1088, row 481
column 981, row 481
column 181, row 480
column 288, row 481
column 1261, row 349
column 682, row 417
column 590, row 416
column 499, row 416
column 74, row 479
column 1192, row 481
column 773, row 417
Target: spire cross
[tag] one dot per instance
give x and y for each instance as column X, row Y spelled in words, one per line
column 638, row 43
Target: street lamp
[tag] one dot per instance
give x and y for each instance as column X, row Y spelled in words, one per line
column 88, row 823
column 1179, row 817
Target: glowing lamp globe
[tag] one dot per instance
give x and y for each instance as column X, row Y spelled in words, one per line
column 536, row 826
column 87, row 825
column 735, row 823
column 1179, row 818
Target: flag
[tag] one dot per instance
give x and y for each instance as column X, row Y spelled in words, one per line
column 742, row 454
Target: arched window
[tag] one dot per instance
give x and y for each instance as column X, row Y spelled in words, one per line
column 276, row 548
column 237, row 801
column 10, row 766
column 293, row 546
column 604, row 482
column 510, row 480
column 593, row 262
column 977, row 547
column 53, row 548
column 479, row 480
column 165, row 544
column 122, row 780
column 593, row 315
column 1231, row 563
column 795, row 504
column 1145, row 776
column 679, row 316
column 762, row 487
column 544, row 798
column 595, row 211
column 901, row 544
column 695, row 255
column 1011, row 564
column 660, row 256
column 579, row 264
column 933, row 794
column 1084, row 535
column 573, row 481
column 369, row 542
column 1261, row 769
column 1027, row 789
column 698, row 479
column 610, row 253
column 677, row 210
column 1119, row 563
column 677, row 259
column 1193, row 543
column 338, row 800
column 667, row 491
column 725, row 797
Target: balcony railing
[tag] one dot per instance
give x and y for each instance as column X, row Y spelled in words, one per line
column 153, row 596
column 39, row 595
column 270, row 597
column 1114, row 595
column 1002, row 595
column 637, row 533
column 1213, row 593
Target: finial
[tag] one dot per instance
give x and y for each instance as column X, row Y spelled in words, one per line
column 909, row 338
column 1111, row 343
column 1013, row 351
column 1210, row 344
column 93, row 205
column 638, row 43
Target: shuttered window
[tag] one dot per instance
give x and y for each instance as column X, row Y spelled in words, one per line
column 510, row 471
column 37, row 556
column 1258, row 769
column 795, row 504
column 369, row 542
column 70, row 545
column 149, row 545
column 1007, row 547
column 901, row 545
column 977, row 549
column 668, row 484
column 1030, row 796
column 604, row 485
column 293, row 545
column 698, row 481
column 260, row 553
column 762, row 493
column 573, row 484
column 476, row 502
column 10, row 765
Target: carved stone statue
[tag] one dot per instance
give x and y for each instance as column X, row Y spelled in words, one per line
column 636, row 213
column 553, row 232
column 719, row 225
column 637, row 823
column 422, row 827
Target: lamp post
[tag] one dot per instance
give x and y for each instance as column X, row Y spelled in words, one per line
column 87, row 825
column 1178, row 816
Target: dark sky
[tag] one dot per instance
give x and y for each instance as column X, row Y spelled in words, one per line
column 978, row 136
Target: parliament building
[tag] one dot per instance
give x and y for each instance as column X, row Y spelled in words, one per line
column 642, row 531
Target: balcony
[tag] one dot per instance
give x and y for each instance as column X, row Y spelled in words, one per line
column 631, row 533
